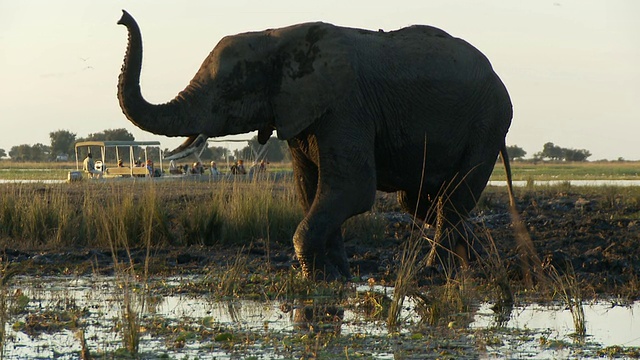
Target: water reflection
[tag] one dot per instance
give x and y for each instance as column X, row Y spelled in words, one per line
column 318, row 315
column 521, row 183
column 97, row 303
column 607, row 324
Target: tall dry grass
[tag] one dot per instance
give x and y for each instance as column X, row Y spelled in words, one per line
column 72, row 215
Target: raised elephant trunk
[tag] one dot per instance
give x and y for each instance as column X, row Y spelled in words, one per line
column 175, row 118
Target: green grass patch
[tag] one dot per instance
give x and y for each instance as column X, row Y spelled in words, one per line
column 541, row 171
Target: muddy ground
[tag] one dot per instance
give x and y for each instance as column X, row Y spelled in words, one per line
column 596, row 233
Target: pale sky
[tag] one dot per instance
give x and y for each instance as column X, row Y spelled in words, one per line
column 572, row 67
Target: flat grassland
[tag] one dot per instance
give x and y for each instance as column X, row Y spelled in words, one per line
column 522, row 170
column 601, row 170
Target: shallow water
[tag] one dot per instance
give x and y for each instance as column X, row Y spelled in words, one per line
column 522, row 183
column 179, row 325
column 551, row 329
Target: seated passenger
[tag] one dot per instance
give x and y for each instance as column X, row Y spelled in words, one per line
column 214, row 169
column 90, row 167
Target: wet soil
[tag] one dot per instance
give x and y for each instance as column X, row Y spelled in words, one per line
column 595, row 234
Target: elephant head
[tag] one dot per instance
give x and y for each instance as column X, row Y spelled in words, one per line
column 240, row 86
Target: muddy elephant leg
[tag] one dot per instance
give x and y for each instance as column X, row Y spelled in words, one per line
column 450, row 248
column 456, row 245
column 329, row 199
column 336, row 253
column 318, row 240
column 453, row 248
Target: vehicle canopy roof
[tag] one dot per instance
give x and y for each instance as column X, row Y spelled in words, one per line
column 114, row 143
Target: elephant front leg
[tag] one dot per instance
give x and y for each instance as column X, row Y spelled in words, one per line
column 320, row 252
column 318, row 239
column 337, row 254
column 336, row 179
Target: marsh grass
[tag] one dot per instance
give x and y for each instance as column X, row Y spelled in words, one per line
column 568, row 288
column 5, row 277
column 259, row 210
column 132, row 281
column 233, row 277
column 492, row 266
column 70, row 215
column 405, row 284
column 445, row 304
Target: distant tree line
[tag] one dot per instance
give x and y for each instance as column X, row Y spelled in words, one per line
column 550, row 152
column 63, row 145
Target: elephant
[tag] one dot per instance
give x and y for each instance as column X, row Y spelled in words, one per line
column 414, row 111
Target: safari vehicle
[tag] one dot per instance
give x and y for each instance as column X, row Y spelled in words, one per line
column 118, row 158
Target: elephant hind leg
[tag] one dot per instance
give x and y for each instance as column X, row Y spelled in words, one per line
column 451, row 246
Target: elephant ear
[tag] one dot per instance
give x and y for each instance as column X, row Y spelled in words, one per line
column 317, row 75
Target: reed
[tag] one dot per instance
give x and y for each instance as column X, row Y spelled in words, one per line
column 70, row 215
column 405, row 285
column 4, row 306
column 260, row 210
column 39, row 217
column 568, row 288
column 133, row 282
column 234, row 276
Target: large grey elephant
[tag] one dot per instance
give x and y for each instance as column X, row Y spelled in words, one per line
column 414, row 111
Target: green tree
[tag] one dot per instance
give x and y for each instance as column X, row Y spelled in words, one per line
column 111, row 134
column 515, row 152
column 215, row 153
column 25, row 152
column 576, row 155
column 551, row 151
column 62, row 142
column 2, row 153
column 114, row 135
column 273, row 152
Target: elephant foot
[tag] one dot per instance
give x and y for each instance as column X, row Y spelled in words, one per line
column 323, row 270
column 338, row 257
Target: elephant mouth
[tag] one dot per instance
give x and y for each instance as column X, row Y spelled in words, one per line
column 188, row 147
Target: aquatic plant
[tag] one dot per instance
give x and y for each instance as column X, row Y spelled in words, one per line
column 568, row 288
column 134, row 285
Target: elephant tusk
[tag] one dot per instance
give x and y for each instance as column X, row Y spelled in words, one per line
column 188, row 147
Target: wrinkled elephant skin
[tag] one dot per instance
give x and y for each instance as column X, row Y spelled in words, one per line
column 414, row 111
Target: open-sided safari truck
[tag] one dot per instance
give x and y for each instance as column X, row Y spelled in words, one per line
column 119, row 158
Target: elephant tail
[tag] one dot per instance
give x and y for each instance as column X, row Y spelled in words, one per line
column 507, row 168
column 530, row 261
